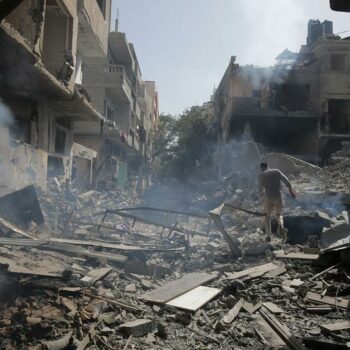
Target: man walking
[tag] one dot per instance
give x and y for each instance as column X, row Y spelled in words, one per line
column 271, row 189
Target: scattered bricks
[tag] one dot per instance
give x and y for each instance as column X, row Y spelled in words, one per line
column 138, row 328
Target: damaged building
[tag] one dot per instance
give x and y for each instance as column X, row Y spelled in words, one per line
column 54, row 121
column 185, row 264
column 129, row 104
column 300, row 106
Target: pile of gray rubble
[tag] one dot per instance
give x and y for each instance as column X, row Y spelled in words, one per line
column 97, row 270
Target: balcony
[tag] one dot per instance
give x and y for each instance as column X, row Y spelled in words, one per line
column 120, row 49
column 117, row 83
column 93, row 29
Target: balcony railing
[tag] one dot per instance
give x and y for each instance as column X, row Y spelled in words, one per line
column 115, row 68
column 116, row 75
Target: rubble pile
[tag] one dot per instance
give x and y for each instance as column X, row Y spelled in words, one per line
column 337, row 173
column 104, row 272
column 60, row 201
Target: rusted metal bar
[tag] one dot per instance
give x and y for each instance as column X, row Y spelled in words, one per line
column 154, row 223
column 103, row 219
column 248, row 211
column 233, row 243
column 110, row 227
column 203, row 216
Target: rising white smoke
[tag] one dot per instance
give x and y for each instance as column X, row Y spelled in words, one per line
column 6, row 117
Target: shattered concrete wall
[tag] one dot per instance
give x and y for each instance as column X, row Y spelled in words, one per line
column 246, row 106
column 29, row 145
column 20, row 164
column 27, row 19
column 51, row 29
column 83, row 159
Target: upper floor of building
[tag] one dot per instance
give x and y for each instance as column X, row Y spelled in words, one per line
column 63, row 32
column 299, row 84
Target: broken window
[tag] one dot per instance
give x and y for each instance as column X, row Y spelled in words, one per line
column 338, row 62
column 60, row 140
column 339, row 116
column 293, row 97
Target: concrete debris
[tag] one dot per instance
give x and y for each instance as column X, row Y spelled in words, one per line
column 83, row 278
column 98, row 252
column 137, row 328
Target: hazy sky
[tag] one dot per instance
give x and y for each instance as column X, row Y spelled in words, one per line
column 185, row 45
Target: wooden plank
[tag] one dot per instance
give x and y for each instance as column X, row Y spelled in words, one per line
column 281, row 330
column 271, row 337
column 96, row 274
column 195, row 298
column 333, row 327
column 251, row 308
column 16, row 229
column 277, row 272
column 174, row 289
column 280, row 254
column 232, row 314
column 70, row 249
column 64, row 248
column 322, row 343
column 107, row 245
column 118, row 303
column 273, row 307
column 252, row 271
column 338, row 302
column 319, row 309
column 256, row 274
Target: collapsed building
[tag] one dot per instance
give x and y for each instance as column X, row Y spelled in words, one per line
column 300, row 106
column 60, row 115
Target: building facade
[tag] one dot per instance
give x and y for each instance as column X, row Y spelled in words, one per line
column 300, row 106
column 130, row 107
column 67, row 97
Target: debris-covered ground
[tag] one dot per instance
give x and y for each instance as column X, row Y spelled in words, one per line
column 101, row 271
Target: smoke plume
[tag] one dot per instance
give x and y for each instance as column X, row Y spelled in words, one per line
column 6, row 117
